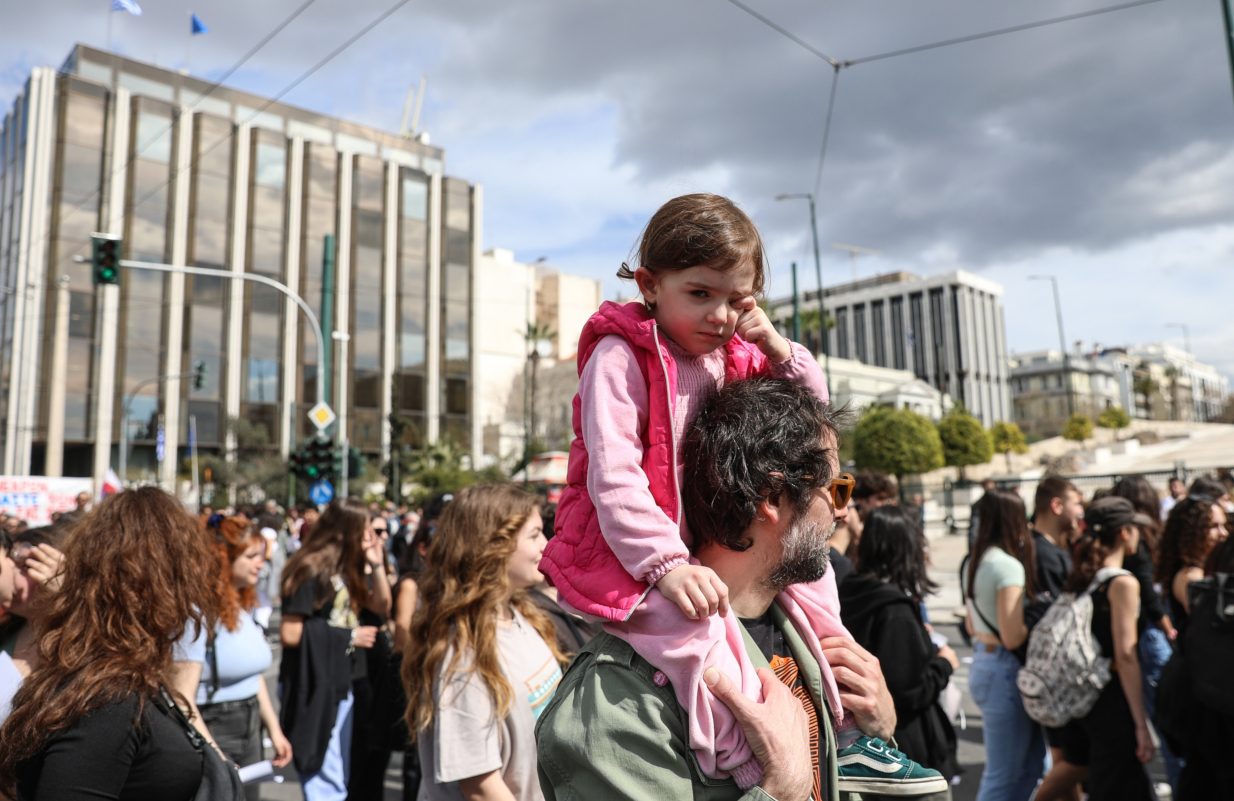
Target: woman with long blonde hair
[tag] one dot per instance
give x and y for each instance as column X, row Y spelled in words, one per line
column 481, row 660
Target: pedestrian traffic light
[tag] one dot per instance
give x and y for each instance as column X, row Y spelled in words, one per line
column 318, row 464
column 336, row 461
column 105, row 258
column 199, row 375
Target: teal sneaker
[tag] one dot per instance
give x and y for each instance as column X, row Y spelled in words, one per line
column 870, row 765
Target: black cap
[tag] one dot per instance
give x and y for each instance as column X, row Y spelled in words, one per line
column 1111, row 514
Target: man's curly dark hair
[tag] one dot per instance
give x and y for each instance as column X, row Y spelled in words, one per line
column 752, row 440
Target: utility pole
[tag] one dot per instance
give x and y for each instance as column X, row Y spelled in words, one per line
column 1062, row 340
column 1227, row 16
column 796, row 308
column 818, row 272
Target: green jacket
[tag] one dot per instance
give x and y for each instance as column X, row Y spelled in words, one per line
column 610, row 733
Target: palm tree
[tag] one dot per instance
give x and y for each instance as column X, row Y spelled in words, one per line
column 535, row 332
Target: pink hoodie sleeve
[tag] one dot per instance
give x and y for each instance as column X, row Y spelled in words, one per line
column 615, row 402
column 801, row 367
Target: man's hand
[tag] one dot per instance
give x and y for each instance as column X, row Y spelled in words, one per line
column 754, row 327
column 777, row 730
column 863, row 691
column 696, row 589
column 366, row 637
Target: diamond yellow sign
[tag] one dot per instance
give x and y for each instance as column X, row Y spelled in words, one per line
column 322, row 415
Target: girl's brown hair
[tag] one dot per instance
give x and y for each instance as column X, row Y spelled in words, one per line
column 1184, row 541
column 461, row 589
column 1090, row 553
column 335, row 546
column 1002, row 521
column 137, row 574
column 229, row 538
column 694, row 230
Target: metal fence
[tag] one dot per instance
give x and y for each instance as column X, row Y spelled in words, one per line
column 953, row 514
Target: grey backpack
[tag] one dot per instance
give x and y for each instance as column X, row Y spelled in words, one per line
column 1065, row 671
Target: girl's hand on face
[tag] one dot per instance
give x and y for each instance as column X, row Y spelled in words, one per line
column 44, row 564
column 696, row 589
column 374, row 551
column 754, row 327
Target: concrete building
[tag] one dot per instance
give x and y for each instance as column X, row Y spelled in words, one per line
column 512, row 295
column 1150, row 382
column 1182, row 380
column 1045, row 390
column 947, row 330
column 860, row 385
column 193, row 174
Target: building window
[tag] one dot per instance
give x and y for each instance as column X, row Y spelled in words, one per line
column 917, row 335
column 898, row 337
column 880, row 334
column 859, row 333
column 842, row 332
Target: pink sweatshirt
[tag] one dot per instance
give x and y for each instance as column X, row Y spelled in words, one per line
column 614, row 403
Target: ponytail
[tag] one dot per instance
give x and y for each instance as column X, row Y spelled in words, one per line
column 1090, row 554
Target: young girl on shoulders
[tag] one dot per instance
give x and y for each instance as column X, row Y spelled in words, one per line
column 622, row 549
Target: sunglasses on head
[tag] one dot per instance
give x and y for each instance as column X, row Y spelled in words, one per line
column 841, row 487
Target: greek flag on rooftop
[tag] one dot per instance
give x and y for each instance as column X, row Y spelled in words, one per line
column 126, row 5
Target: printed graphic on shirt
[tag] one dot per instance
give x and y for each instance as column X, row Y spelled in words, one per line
column 541, row 685
column 341, row 614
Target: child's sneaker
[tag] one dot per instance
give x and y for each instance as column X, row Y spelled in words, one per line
column 871, row 766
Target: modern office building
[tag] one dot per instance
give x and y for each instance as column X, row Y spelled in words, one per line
column 189, row 173
column 946, row 329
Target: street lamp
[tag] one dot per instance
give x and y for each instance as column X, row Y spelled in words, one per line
column 818, row 272
column 1062, row 340
column 1186, row 334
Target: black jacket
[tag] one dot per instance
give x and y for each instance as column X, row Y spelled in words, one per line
column 313, row 690
column 887, row 623
column 572, row 632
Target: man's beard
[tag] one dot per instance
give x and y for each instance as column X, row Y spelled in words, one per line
column 805, row 557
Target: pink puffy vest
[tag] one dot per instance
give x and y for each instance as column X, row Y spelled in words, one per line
column 578, row 560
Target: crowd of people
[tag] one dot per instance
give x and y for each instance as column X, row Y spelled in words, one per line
column 712, row 610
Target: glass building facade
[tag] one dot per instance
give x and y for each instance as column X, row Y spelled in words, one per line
column 213, row 177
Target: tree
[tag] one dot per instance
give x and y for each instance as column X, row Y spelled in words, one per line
column 535, row 332
column 1079, row 428
column 1145, row 385
column 810, row 328
column 256, row 470
column 965, row 442
column 1007, row 438
column 1114, row 417
column 896, row 441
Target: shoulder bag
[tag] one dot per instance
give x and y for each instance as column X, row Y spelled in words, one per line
column 219, row 779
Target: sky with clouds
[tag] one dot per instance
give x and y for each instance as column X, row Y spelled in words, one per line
column 1099, row 150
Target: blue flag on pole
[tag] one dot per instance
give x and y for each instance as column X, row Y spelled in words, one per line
column 126, row 5
column 199, row 26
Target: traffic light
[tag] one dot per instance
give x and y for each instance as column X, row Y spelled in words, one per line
column 336, row 461
column 105, row 258
column 320, row 461
column 199, row 375
column 355, row 463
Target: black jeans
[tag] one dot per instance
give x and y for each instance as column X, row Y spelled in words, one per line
column 236, row 727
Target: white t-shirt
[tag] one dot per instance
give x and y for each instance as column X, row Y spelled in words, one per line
column 465, row 739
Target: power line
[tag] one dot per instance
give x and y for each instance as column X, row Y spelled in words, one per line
column 1000, row 32
column 783, row 31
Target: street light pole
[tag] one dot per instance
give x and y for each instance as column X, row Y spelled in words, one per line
column 124, row 417
column 1186, row 334
column 818, row 272
column 1062, row 339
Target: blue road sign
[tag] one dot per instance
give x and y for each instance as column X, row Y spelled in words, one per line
column 321, row 492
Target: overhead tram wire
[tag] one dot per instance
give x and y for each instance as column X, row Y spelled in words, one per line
column 209, row 90
column 296, row 82
column 283, row 92
column 836, row 65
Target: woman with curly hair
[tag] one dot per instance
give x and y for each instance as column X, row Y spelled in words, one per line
column 232, row 694
column 91, row 720
column 481, row 660
column 1196, row 525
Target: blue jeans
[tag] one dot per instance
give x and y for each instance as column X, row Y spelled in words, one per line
column 329, row 783
column 1155, row 651
column 1014, row 743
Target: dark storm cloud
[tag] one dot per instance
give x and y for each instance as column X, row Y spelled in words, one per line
column 1086, row 134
